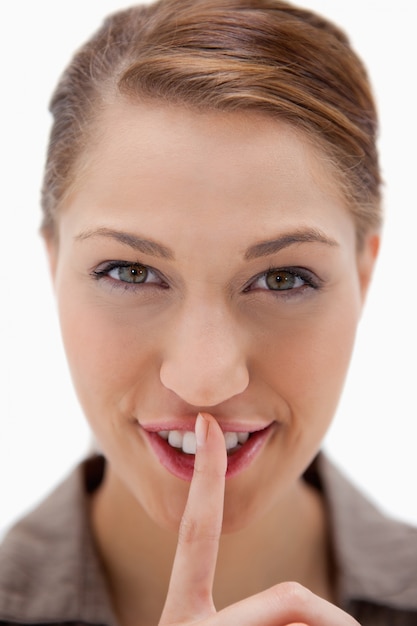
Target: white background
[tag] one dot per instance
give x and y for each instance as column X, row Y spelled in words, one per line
column 42, row 432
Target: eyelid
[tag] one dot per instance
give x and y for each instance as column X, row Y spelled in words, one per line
column 103, row 270
column 310, row 278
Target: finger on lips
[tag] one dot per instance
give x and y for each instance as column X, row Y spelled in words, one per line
column 189, row 600
column 190, row 590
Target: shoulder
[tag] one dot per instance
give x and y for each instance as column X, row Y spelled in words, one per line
column 49, row 571
column 376, row 556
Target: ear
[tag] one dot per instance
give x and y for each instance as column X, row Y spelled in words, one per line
column 366, row 258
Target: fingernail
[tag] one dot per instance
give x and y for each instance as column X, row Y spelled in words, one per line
column 201, row 430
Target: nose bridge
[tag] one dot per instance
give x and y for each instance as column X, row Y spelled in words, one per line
column 205, row 361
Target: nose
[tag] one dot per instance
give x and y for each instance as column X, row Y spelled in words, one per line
column 204, row 359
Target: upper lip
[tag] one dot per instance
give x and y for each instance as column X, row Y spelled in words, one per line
column 189, row 425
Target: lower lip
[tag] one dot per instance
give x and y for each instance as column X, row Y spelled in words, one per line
column 181, row 465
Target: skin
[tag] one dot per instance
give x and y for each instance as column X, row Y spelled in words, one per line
column 206, row 334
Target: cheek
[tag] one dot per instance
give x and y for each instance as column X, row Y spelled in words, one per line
column 111, row 361
column 299, row 370
column 110, row 353
column 305, row 360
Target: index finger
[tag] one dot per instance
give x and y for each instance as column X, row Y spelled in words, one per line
column 190, row 589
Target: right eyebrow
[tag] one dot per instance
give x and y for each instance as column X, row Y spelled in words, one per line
column 146, row 246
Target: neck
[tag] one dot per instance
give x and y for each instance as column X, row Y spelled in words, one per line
column 288, row 543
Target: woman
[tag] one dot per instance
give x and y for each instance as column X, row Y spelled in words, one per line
column 212, row 215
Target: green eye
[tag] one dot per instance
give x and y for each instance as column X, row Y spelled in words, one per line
column 130, row 273
column 128, row 276
column 281, row 280
column 284, row 279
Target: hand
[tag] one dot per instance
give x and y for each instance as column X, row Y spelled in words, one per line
column 189, row 601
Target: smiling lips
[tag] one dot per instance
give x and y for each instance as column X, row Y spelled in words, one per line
column 175, row 449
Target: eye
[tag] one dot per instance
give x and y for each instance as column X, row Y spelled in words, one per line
column 291, row 279
column 128, row 273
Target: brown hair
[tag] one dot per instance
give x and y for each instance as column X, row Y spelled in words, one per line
column 261, row 55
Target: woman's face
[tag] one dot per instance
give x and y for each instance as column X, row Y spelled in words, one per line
column 206, row 261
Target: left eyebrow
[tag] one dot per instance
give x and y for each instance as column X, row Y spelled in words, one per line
column 146, row 246
column 271, row 246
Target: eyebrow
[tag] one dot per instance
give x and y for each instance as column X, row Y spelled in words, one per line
column 146, row 246
column 265, row 248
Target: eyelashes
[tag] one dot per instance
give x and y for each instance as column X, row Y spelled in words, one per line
column 285, row 281
column 125, row 275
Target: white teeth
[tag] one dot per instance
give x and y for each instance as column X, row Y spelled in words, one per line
column 175, row 438
column 187, row 442
column 231, row 440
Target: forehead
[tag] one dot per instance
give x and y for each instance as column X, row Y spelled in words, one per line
column 153, row 156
